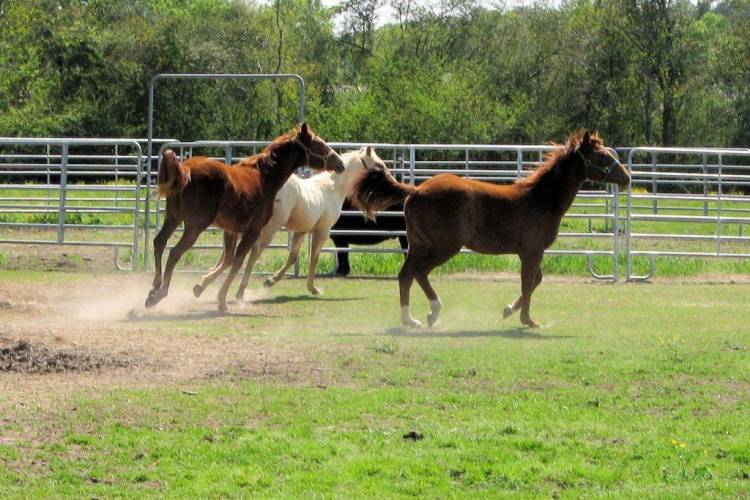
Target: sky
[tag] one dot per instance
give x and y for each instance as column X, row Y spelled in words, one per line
column 385, row 14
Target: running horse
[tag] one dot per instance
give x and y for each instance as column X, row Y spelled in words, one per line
column 448, row 212
column 303, row 206
column 238, row 199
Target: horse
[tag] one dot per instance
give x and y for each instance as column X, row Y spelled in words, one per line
column 239, row 199
column 304, row 206
column 356, row 222
column 446, row 213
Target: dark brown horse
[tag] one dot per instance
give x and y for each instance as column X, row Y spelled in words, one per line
column 448, row 212
column 238, row 199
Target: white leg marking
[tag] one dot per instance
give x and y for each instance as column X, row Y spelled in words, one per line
column 407, row 320
column 435, row 306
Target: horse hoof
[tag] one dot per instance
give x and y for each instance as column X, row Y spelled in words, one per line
column 507, row 311
column 530, row 323
column 413, row 323
column 153, row 298
column 431, row 319
column 268, row 283
column 314, row 290
column 223, row 307
column 197, row 290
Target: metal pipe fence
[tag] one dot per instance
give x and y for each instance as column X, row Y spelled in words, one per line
column 683, row 202
column 593, row 215
column 45, row 198
column 698, row 196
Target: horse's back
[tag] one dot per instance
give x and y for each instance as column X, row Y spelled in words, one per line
column 452, row 211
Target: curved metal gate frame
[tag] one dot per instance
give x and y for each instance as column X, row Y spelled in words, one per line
column 200, row 76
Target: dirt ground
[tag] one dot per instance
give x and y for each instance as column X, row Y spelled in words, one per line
column 94, row 333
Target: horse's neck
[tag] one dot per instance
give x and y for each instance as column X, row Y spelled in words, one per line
column 275, row 176
column 557, row 191
column 343, row 181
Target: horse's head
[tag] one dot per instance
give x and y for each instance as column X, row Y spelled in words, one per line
column 370, row 159
column 319, row 155
column 599, row 163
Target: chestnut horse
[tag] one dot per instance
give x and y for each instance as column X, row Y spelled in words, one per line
column 448, row 212
column 303, row 206
column 238, row 199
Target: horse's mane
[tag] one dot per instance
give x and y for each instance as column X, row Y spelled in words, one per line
column 560, row 154
column 267, row 157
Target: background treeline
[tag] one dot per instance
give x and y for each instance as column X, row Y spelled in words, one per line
column 640, row 71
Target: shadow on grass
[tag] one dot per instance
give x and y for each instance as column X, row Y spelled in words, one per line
column 511, row 333
column 283, row 299
column 135, row 317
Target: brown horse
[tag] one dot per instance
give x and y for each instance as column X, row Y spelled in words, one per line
column 238, row 199
column 448, row 212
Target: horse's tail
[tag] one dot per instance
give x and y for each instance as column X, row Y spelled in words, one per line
column 173, row 175
column 376, row 189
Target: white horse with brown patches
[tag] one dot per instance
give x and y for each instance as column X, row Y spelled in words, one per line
column 304, row 206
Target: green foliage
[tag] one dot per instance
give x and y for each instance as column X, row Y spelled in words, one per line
column 640, row 71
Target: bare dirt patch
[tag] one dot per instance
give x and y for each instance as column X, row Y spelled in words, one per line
column 25, row 357
column 63, row 336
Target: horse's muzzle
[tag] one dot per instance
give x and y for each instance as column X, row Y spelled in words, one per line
column 335, row 163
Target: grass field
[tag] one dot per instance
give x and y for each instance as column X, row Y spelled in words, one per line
column 626, row 390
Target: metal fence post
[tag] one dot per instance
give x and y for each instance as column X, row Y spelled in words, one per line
column 63, row 194
column 412, row 160
column 628, row 221
column 718, row 207
column 705, row 184
column 137, row 205
column 654, row 185
column 615, row 236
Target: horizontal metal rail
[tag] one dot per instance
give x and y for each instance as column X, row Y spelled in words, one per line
column 705, row 180
column 45, row 187
column 58, row 169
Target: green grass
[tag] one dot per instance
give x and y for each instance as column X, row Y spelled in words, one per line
column 627, row 390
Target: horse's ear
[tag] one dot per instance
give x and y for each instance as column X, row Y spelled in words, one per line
column 368, row 151
column 586, row 139
column 304, row 132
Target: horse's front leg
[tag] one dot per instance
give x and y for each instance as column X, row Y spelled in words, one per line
column 186, row 241
column 265, row 239
column 529, row 273
column 516, row 305
column 247, row 241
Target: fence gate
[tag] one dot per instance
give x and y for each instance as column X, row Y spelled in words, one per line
column 200, row 76
column 45, row 199
column 686, row 202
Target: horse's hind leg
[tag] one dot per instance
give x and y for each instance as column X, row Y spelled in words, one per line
column 405, row 280
column 423, row 270
column 516, row 305
column 297, row 239
column 171, row 221
column 188, row 239
column 529, row 274
column 226, row 259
